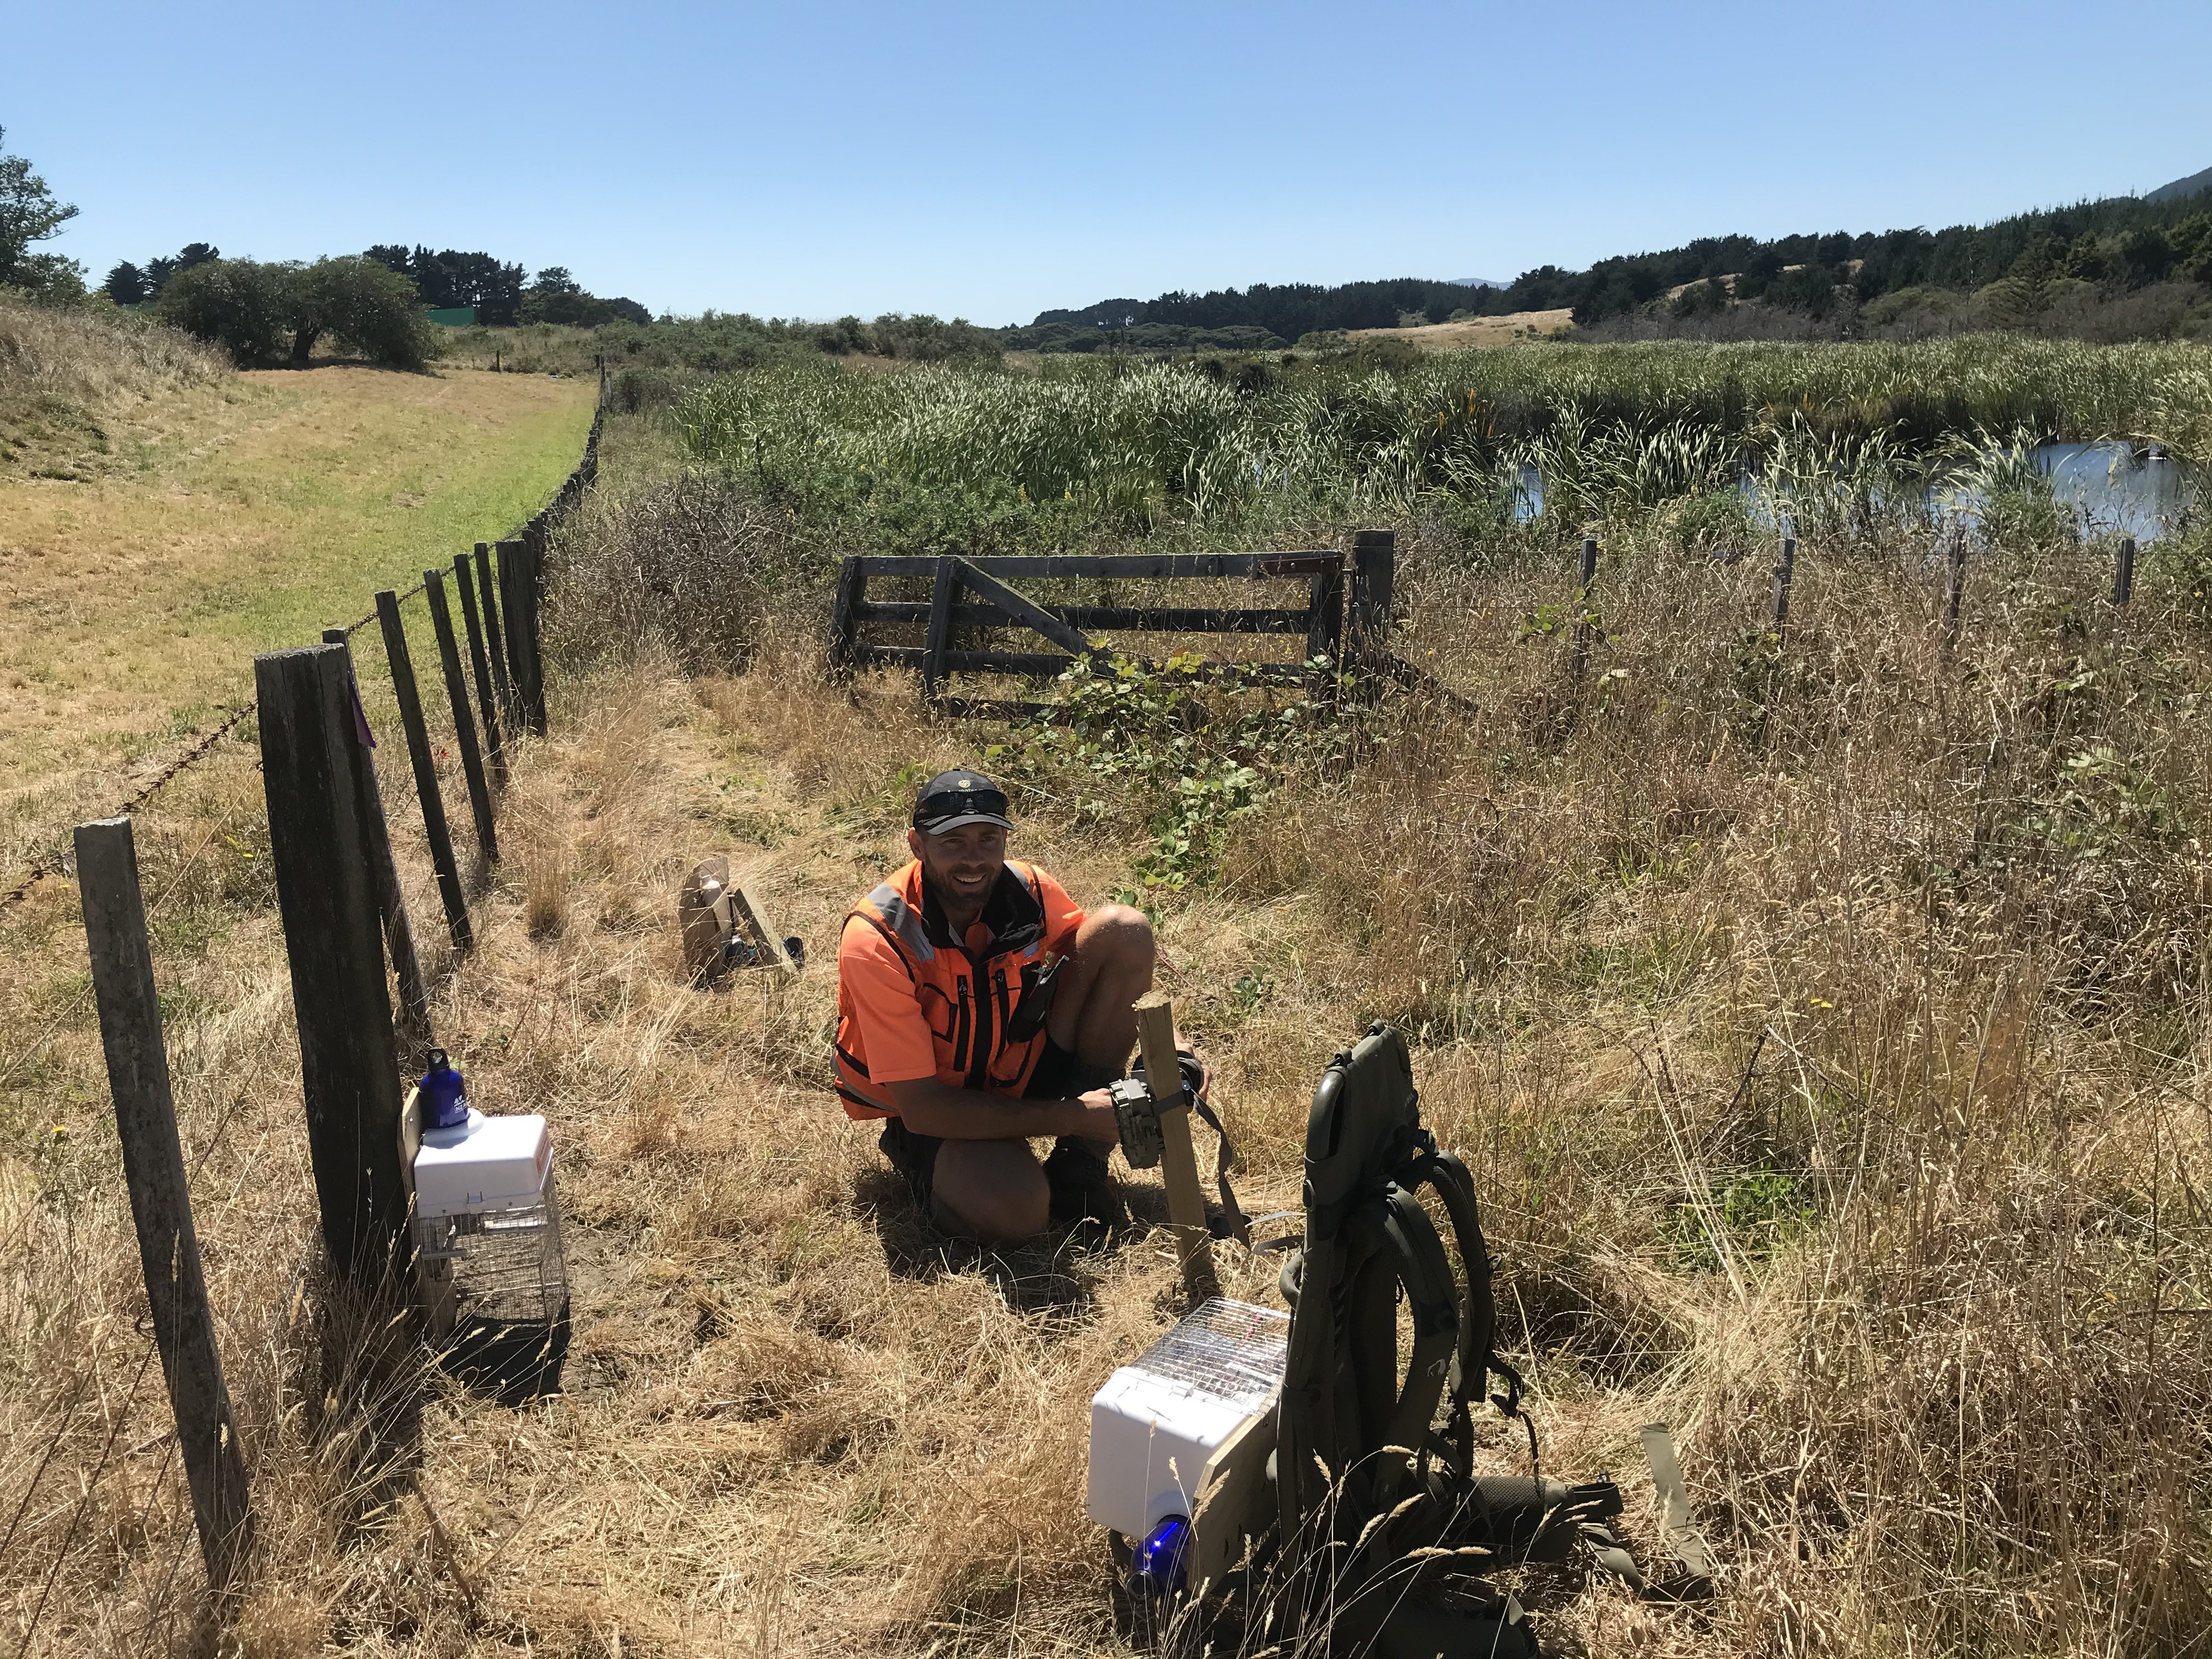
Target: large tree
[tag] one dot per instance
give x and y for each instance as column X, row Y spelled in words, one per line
column 451, row 277
column 240, row 304
column 29, row 214
column 127, row 285
column 161, row 267
column 268, row 313
column 366, row 306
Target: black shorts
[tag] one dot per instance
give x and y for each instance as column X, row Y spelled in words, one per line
column 1059, row 1076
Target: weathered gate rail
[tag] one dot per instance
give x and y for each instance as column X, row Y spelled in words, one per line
column 1344, row 622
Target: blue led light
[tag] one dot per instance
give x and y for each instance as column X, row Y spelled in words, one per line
column 1159, row 1562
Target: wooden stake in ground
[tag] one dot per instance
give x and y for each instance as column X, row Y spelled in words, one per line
column 434, row 827
column 1785, row 572
column 161, row 1199
column 1587, row 581
column 1954, row 587
column 487, row 702
column 495, row 642
column 384, row 872
column 348, row 1066
column 1178, row 1160
column 464, row 726
column 1374, row 575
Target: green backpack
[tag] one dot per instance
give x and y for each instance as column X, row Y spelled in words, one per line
column 1384, row 1530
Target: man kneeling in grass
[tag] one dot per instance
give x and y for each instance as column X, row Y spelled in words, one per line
column 978, row 1006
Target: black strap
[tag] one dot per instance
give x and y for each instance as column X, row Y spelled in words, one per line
column 1191, row 1075
column 1224, row 1159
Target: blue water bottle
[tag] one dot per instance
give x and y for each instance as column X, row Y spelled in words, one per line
column 445, row 1102
column 1160, row 1558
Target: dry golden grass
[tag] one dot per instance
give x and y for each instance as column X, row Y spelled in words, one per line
column 1878, row 922
column 252, row 513
column 1474, row 331
column 68, row 374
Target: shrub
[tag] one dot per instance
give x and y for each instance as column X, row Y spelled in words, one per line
column 690, row 566
column 240, row 304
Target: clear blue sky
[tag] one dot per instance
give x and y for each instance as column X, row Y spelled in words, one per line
column 992, row 160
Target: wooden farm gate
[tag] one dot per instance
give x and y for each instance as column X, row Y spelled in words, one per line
column 1345, row 623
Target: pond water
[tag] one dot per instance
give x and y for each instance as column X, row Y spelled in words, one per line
column 2118, row 489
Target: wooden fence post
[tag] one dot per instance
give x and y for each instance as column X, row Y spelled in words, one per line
column 425, row 772
column 1374, row 567
column 518, row 577
column 493, row 643
column 1325, row 632
column 1588, row 580
column 160, row 1195
column 464, row 581
column 2123, row 573
column 384, row 870
column 464, row 726
column 534, row 591
column 1178, row 1161
column 1954, row 587
column 348, row 1071
column 1785, row 572
column 845, row 615
column 942, row 599
column 509, row 549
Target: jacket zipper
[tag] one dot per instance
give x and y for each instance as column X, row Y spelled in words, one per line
column 979, row 1069
column 960, row 1027
column 1005, row 1013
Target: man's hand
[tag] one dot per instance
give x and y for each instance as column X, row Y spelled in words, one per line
column 1101, row 1122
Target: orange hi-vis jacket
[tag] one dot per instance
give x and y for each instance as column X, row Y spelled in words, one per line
column 915, row 1002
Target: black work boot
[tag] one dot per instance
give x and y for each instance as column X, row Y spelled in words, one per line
column 914, row 1156
column 1081, row 1186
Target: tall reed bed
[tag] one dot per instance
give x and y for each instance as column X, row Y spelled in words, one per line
column 987, row 458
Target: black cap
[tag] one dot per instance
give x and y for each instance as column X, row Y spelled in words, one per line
column 952, row 799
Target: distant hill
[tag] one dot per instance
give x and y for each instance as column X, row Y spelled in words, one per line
column 1475, row 282
column 2120, row 242
column 2195, row 184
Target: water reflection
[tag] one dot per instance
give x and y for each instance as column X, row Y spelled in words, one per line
column 2116, row 487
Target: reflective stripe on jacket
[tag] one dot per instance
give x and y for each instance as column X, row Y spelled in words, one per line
column 970, row 1001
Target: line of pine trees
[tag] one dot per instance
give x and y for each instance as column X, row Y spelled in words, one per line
column 2121, row 243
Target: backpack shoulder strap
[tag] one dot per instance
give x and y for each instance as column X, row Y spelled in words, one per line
column 1478, row 1352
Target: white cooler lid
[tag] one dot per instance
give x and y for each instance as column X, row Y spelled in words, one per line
column 487, row 1163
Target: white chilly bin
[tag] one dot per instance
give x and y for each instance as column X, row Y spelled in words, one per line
column 487, row 1164
column 1156, row 1423
column 487, row 1222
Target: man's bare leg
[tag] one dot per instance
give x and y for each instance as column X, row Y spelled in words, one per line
column 1093, row 1016
column 994, row 1191
column 991, row 1191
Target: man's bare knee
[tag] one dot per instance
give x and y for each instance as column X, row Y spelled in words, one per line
column 1120, row 933
column 990, row 1191
column 1009, row 1220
